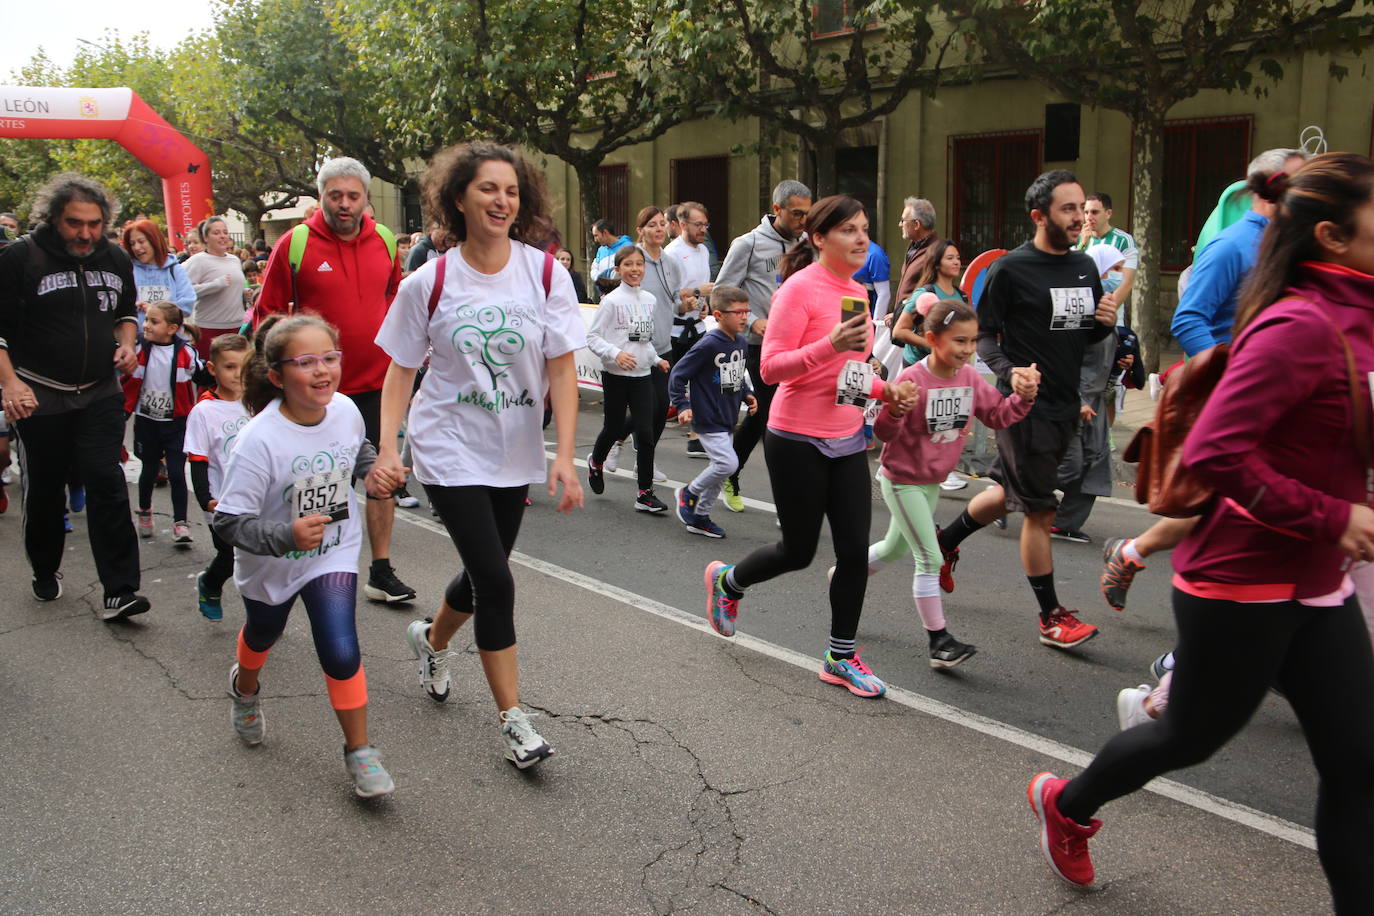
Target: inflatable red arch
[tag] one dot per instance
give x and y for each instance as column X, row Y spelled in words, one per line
column 48, row 113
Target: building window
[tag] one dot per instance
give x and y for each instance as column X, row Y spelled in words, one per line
column 615, row 196
column 856, row 174
column 411, row 213
column 835, row 17
column 991, row 174
column 1200, row 159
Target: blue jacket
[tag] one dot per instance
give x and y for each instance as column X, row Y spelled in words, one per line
column 166, row 282
column 714, row 371
column 1208, row 307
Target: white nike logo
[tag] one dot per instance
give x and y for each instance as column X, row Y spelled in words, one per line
column 1080, row 276
column 324, row 266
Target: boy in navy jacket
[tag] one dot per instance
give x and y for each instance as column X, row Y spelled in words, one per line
column 707, row 386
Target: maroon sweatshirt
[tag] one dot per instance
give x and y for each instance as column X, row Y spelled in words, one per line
column 1277, row 442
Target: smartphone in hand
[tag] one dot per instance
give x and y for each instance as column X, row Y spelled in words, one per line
column 852, row 306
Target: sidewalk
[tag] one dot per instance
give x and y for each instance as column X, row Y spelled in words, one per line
column 1140, row 409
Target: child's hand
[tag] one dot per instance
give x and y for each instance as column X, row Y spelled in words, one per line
column 684, row 417
column 901, row 396
column 625, row 360
column 309, row 531
column 211, row 504
column 753, row 404
column 1025, row 381
column 663, row 365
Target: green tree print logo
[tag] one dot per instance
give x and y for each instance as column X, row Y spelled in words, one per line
column 485, row 332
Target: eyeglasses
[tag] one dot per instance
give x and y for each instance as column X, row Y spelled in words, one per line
column 699, row 225
column 797, row 215
column 733, row 311
column 306, row 361
column 903, row 222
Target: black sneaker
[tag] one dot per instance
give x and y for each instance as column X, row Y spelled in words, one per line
column 595, row 477
column 948, row 652
column 695, row 449
column 47, row 588
column 382, row 585
column 1065, row 534
column 125, row 604
column 646, row 501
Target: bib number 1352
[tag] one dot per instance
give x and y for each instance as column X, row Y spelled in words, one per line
column 323, row 494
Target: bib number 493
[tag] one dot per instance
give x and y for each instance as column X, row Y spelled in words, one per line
column 854, row 383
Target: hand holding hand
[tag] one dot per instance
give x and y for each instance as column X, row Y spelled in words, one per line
column 19, row 400
column 1025, row 381
column 309, row 531
column 125, row 359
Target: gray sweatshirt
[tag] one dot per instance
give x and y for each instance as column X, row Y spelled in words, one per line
column 752, row 264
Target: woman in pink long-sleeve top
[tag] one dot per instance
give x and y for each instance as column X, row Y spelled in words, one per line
column 1262, row 591
column 815, row 445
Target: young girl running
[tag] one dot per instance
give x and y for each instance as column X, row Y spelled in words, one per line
column 923, row 445
column 160, row 393
column 502, row 323
column 288, row 508
column 211, row 432
column 622, row 335
column 815, row 443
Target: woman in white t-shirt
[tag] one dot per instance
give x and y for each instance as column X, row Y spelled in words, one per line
column 287, row 506
column 216, row 275
column 500, row 322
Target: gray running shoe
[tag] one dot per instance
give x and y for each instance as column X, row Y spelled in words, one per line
column 434, row 675
column 525, row 746
column 370, row 778
column 247, row 711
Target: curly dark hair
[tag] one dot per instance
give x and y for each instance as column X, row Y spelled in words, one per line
column 452, row 170
column 66, row 187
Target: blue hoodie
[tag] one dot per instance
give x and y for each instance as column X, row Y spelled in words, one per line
column 168, row 282
column 711, row 379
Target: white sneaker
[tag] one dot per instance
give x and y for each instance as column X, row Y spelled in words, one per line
column 1130, row 707
column 404, row 499
column 7, row 476
column 525, row 746
column 246, row 712
column 370, row 778
column 434, row 675
column 612, row 462
column 953, row 482
column 1155, row 386
column 659, row 476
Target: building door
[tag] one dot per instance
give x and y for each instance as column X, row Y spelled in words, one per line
column 706, row 180
column 615, row 197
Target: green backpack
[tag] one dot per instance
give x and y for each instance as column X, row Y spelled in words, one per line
column 300, row 234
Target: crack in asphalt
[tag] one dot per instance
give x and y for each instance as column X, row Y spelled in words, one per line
column 842, row 702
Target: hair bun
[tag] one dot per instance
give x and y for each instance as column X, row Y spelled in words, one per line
column 925, row 302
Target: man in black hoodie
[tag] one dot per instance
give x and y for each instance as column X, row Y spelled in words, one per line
column 67, row 325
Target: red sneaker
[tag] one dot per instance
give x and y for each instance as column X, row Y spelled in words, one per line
column 4, row 500
column 1063, row 842
column 1064, row 631
column 947, row 568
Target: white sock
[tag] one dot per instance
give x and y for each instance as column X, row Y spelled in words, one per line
column 1129, row 552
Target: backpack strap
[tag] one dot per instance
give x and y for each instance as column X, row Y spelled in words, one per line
column 388, row 238
column 295, row 254
column 548, row 274
column 438, row 289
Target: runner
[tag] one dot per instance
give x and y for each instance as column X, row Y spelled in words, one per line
column 622, row 336
column 1261, row 588
column 503, row 324
column 815, row 445
column 289, row 510
column 211, row 431
column 1042, row 304
column 923, row 445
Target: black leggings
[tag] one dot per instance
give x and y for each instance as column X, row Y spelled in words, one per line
column 1228, row 655
column 155, row 440
column 809, row 487
column 221, row 567
column 751, row 430
column 660, row 409
column 483, row 523
column 617, row 393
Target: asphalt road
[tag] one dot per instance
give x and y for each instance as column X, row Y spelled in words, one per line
column 693, row 774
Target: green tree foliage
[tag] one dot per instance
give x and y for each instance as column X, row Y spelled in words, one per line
column 1142, row 58
column 812, row 69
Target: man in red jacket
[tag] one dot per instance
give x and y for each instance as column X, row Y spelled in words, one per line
column 348, row 276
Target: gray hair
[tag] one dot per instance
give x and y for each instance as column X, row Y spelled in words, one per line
column 1271, row 161
column 790, row 188
column 66, row 187
column 922, row 210
column 342, row 167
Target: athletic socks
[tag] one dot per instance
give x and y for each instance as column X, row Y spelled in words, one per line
column 958, row 529
column 841, row 648
column 1129, row 552
column 732, row 588
column 1043, row 586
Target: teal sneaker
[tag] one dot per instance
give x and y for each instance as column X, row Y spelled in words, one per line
column 721, row 609
column 853, row 675
column 370, row 778
column 210, row 607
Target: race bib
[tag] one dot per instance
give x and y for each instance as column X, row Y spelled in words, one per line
column 154, row 293
column 323, row 494
column 948, row 408
column 732, row 372
column 854, row 383
column 155, row 405
column 641, row 328
column 1071, row 308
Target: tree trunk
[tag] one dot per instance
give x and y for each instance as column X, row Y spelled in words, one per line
column 768, row 138
column 1150, row 311
column 826, row 181
column 589, row 193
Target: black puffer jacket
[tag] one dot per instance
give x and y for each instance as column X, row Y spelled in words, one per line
column 58, row 313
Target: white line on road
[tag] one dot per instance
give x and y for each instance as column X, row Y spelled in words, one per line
column 1196, row 798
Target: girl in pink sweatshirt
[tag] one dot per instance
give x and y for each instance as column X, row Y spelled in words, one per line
column 923, row 446
column 815, row 445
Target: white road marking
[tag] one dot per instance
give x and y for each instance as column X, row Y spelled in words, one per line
column 1203, row 801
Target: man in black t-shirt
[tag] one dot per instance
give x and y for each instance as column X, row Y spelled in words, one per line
column 1041, row 306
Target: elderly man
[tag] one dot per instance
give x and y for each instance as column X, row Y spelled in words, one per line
column 918, row 228
column 348, row 275
column 67, row 324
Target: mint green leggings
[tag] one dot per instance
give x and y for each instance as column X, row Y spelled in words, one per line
column 912, row 529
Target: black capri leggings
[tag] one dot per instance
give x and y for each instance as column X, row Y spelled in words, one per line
column 483, row 523
column 1228, row 655
column 809, row 487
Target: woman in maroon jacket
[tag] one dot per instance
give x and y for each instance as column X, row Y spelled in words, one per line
column 1262, row 593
